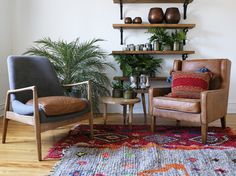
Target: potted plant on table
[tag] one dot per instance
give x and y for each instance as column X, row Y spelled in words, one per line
column 129, row 92
column 117, row 91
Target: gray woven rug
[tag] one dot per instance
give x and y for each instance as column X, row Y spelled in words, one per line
column 149, row 161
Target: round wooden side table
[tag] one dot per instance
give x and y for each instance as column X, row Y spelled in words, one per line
column 121, row 101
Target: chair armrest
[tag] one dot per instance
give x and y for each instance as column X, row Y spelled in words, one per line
column 89, row 90
column 33, row 88
column 214, row 105
column 155, row 92
column 77, row 84
column 35, row 100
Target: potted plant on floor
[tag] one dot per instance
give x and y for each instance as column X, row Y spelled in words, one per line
column 76, row 62
column 117, row 89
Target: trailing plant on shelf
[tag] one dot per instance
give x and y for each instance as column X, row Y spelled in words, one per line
column 75, row 62
column 138, row 64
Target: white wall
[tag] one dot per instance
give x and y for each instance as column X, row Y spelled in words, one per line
column 213, row 37
column 5, row 46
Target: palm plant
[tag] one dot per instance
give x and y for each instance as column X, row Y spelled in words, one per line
column 76, row 62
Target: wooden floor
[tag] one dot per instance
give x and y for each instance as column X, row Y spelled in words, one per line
column 18, row 156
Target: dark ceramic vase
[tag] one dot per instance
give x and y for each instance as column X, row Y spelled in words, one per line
column 137, row 20
column 172, row 15
column 156, row 15
column 128, row 20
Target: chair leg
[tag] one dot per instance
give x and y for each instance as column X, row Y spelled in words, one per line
column 204, row 133
column 38, row 142
column 178, row 123
column 5, row 125
column 91, row 124
column 223, row 122
column 153, row 123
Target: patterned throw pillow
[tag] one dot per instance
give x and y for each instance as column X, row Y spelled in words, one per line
column 189, row 84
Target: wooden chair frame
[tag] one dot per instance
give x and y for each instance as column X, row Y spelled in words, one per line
column 35, row 119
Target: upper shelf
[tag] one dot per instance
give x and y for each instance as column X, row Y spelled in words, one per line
column 152, row 1
column 144, row 26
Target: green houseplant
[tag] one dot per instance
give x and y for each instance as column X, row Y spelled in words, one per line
column 75, row 62
column 129, row 92
column 138, row 64
column 178, row 38
column 160, row 37
column 117, row 91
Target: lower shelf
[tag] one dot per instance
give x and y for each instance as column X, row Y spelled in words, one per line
column 121, row 78
column 154, row 52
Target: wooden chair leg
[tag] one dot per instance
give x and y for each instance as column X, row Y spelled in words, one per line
column 38, row 142
column 204, row 133
column 153, row 123
column 178, row 123
column 5, row 125
column 223, row 122
column 91, row 124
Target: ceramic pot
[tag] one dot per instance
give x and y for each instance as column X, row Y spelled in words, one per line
column 129, row 94
column 128, row 20
column 117, row 93
column 137, row 20
column 176, row 46
column 172, row 15
column 156, row 15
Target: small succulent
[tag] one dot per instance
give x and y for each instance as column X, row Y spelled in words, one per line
column 117, row 84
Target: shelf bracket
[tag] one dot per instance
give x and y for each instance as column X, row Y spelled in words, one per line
column 121, row 36
column 186, row 3
column 121, row 9
column 185, row 30
column 184, row 56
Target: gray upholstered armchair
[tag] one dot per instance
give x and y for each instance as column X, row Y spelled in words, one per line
column 37, row 98
column 212, row 104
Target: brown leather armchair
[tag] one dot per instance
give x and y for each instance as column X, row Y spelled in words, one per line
column 212, row 104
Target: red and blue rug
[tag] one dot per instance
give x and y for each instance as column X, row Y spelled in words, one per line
column 118, row 136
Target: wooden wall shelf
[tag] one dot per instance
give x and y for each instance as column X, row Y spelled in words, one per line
column 183, row 53
column 151, row 1
column 121, row 78
column 153, row 52
column 145, row 26
column 184, row 2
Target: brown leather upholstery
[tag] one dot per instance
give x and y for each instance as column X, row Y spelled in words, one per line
column 60, row 105
column 212, row 104
column 177, row 104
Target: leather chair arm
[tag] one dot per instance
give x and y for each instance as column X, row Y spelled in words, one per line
column 155, row 92
column 214, row 105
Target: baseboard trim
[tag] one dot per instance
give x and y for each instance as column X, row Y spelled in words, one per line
column 232, row 108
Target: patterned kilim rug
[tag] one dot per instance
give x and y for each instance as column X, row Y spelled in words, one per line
column 116, row 136
column 148, row 161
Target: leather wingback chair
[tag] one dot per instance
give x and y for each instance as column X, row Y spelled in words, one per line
column 34, row 83
column 212, row 104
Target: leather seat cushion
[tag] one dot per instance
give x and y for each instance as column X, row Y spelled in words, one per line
column 60, row 105
column 177, row 104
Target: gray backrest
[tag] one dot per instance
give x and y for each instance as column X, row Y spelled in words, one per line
column 36, row 71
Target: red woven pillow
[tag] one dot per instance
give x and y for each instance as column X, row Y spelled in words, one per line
column 189, row 84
